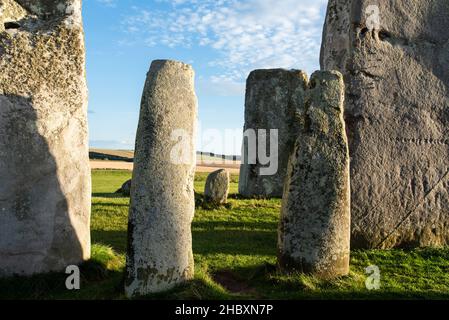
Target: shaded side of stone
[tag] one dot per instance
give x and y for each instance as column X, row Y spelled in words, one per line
column 45, row 194
column 314, row 230
column 273, row 97
column 397, row 85
column 159, row 254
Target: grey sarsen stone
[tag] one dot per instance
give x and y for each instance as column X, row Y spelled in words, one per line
column 45, row 194
column 397, row 102
column 217, row 187
column 314, row 229
column 159, row 254
column 272, row 99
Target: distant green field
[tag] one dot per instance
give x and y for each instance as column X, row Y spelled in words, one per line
column 235, row 258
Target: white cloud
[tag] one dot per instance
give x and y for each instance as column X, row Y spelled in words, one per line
column 246, row 35
column 221, row 85
column 108, row 3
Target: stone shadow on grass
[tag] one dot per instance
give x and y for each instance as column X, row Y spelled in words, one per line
column 93, row 275
column 113, row 238
column 234, row 242
column 110, row 195
column 235, row 225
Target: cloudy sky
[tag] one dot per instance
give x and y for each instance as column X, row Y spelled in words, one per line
column 223, row 39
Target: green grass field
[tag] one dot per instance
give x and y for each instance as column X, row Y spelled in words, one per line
column 235, row 256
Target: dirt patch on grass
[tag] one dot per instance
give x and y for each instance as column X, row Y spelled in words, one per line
column 231, row 283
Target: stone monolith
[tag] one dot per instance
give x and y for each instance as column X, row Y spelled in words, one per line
column 314, row 230
column 394, row 56
column 272, row 99
column 45, row 191
column 217, row 187
column 162, row 205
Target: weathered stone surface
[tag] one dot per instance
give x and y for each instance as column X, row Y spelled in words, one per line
column 45, row 190
column 397, row 113
column 314, row 230
column 217, row 187
column 125, row 189
column 162, row 196
column 272, row 98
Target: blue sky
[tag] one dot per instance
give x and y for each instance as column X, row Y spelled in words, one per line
column 223, row 39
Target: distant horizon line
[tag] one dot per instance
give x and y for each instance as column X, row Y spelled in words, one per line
column 203, row 153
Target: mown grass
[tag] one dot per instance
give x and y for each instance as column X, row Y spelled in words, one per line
column 235, row 256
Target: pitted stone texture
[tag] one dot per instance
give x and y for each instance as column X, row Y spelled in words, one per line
column 45, row 194
column 397, row 114
column 217, row 187
column 272, row 99
column 162, row 196
column 314, row 230
column 40, row 14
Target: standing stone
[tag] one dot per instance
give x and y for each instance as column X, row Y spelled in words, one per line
column 314, row 231
column 125, row 189
column 217, row 187
column 272, row 99
column 397, row 113
column 44, row 166
column 162, row 196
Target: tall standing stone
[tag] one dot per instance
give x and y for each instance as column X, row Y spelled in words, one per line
column 314, row 230
column 162, row 197
column 272, row 99
column 394, row 56
column 44, row 166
